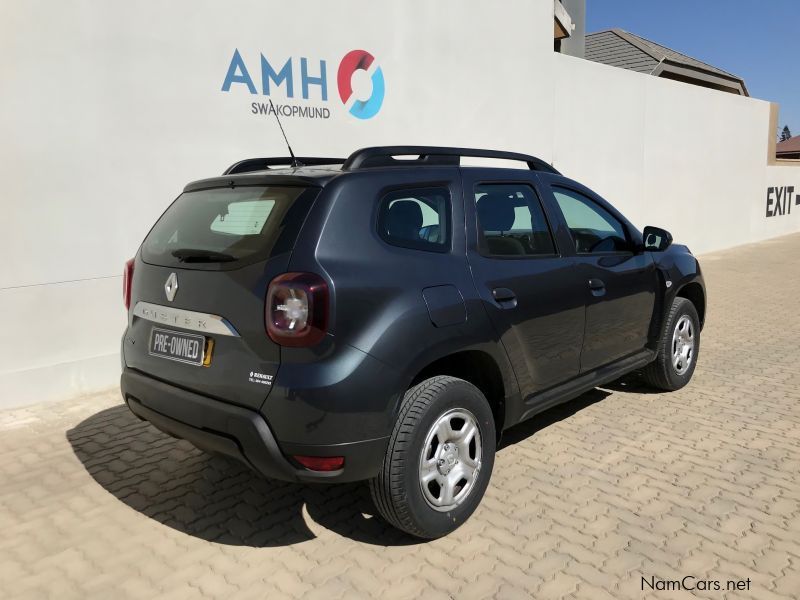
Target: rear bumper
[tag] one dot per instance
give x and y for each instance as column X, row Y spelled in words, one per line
column 241, row 433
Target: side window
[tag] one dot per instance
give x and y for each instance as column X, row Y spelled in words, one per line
column 593, row 228
column 416, row 218
column 511, row 221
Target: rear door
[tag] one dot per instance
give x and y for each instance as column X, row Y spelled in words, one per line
column 532, row 294
column 197, row 316
column 620, row 282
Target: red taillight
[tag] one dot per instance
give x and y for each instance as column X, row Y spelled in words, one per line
column 127, row 280
column 321, row 463
column 297, row 309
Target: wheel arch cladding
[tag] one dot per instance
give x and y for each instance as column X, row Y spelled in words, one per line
column 478, row 368
column 694, row 293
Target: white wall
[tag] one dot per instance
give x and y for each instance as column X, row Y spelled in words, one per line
column 110, row 107
column 683, row 157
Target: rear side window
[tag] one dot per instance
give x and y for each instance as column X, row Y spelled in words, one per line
column 222, row 226
column 416, row 218
column 511, row 221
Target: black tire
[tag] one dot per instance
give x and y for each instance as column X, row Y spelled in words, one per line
column 661, row 373
column 397, row 490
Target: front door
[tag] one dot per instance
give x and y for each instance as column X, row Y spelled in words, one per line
column 534, row 296
column 620, row 282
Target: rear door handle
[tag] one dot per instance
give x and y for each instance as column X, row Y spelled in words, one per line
column 504, row 296
column 597, row 286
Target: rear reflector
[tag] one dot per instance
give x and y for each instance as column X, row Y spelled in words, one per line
column 127, row 280
column 321, row 463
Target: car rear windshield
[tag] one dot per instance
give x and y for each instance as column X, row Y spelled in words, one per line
column 228, row 227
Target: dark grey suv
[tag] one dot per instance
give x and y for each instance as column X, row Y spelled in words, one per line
column 387, row 316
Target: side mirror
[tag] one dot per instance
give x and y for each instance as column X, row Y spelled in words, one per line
column 656, row 239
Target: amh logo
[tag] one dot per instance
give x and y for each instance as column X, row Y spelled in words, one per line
column 353, row 61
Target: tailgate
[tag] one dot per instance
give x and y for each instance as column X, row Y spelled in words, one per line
column 225, row 308
column 198, row 291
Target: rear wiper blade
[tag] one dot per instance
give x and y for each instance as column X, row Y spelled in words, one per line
column 192, row 255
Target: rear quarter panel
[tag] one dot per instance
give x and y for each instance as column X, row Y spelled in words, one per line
column 377, row 306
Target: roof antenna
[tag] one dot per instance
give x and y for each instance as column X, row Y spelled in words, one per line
column 295, row 163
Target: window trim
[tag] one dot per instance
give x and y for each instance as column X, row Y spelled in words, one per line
column 481, row 247
column 422, row 246
column 625, row 227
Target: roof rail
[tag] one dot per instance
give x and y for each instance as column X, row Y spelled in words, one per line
column 384, row 156
column 260, row 164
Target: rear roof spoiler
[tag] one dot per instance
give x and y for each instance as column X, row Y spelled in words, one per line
column 263, row 164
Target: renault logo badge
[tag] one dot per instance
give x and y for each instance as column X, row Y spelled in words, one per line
column 171, row 287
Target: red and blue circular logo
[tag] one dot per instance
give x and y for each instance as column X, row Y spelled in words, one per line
column 360, row 60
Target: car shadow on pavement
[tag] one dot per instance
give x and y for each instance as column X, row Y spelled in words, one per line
column 632, row 383
column 220, row 500
column 215, row 498
column 532, row 426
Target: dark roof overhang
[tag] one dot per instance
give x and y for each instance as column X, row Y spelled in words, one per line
column 673, row 70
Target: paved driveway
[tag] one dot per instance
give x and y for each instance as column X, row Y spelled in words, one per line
column 585, row 501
